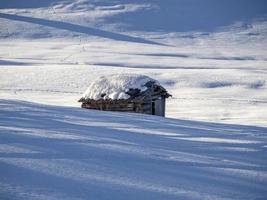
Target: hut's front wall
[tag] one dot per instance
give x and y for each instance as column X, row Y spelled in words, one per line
column 121, row 106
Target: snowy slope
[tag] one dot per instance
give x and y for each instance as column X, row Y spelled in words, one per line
column 49, row 152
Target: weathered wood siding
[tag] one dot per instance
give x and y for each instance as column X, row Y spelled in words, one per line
column 144, row 106
column 119, row 105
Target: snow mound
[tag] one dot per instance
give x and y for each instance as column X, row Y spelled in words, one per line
column 115, row 86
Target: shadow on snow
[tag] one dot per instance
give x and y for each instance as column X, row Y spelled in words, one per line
column 78, row 28
column 82, row 152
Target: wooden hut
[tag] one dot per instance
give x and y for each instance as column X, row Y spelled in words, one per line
column 126, row 93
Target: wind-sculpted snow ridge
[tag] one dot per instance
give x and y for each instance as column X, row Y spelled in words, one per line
column 50, row 152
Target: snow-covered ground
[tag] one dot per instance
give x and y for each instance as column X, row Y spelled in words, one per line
column 51, row 152
column 211, row 55
column 215, row 70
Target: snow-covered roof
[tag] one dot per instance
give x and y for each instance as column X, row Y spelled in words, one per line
column 115, row 86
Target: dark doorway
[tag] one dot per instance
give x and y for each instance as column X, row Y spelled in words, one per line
column 153, row 108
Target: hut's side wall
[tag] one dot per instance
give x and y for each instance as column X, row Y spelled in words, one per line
column 158, row 107
column 163, row 104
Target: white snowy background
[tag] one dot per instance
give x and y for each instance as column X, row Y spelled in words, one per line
column 210, row 55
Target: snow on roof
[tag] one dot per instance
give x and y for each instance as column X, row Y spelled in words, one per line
column 115, row 86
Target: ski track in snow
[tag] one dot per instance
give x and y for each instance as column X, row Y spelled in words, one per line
column 50, row 152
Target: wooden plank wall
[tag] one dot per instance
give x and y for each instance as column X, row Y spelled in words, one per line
column 122, row 106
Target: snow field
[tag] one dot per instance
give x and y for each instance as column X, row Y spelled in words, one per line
column 51, row 152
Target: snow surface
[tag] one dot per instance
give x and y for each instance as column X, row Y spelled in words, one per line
column 114, row 86
column 51, row 152
column 214, row 64
column 211, row 55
